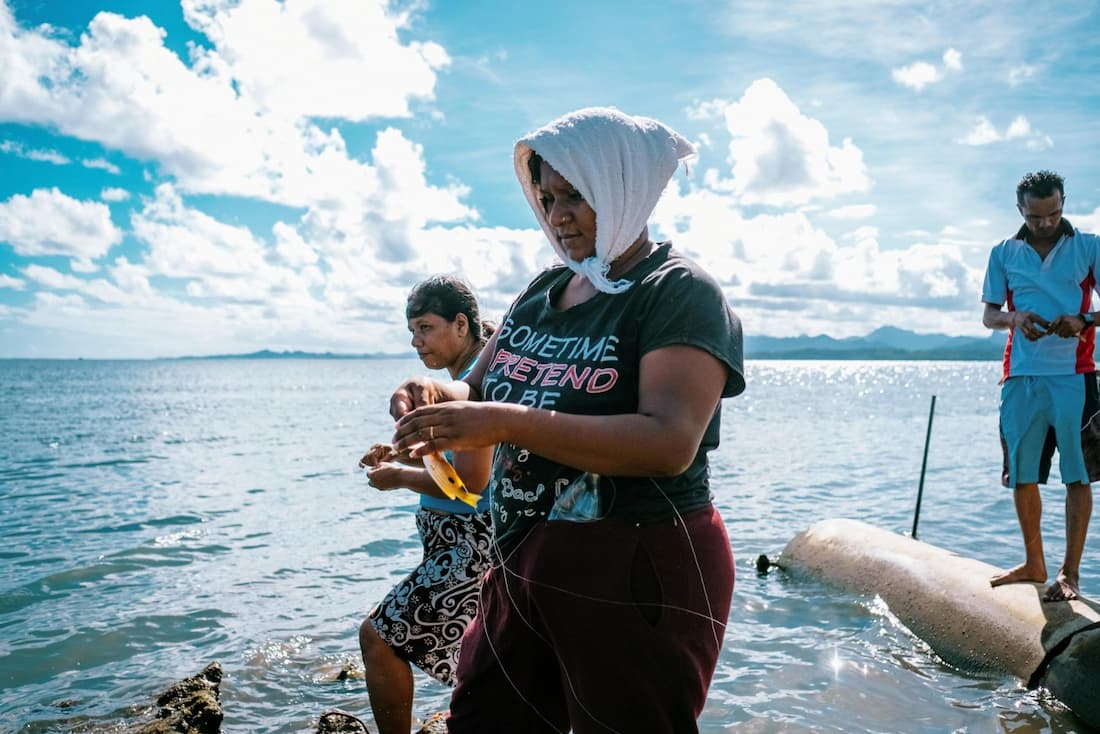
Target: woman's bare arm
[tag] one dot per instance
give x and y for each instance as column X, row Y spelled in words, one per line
column 679, row 389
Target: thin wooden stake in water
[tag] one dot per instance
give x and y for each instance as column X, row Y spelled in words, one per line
column 923, row 466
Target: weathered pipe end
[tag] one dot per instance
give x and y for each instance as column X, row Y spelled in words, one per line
column 946, row 600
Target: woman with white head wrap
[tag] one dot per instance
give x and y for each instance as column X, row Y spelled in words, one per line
column 607, row 604
column 621, row 169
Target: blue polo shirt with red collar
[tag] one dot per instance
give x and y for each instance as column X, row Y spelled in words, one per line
column 1061, row 283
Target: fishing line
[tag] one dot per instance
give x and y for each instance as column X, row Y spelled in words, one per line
column 489, row 637
column 507, row 573
column 698, row 567
column 561, row 663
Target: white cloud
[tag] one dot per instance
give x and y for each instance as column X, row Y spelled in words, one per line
column 101, row 163
column 347, row 59
column 114, row 194
column 985, row 133
column 131, row 279
column 15, row 284
column 881, row 31
column 185, row 243
column 708, row 110
column 1039, row 142
column 781, row 156
column 1086, row 222
column 1018, row 128
column 50, row 223
column 917, row 76
column 51, row 278
column 292, row 249
column 236, row 120
column 98, row 289
column 237, row 294
column 1017, row 75
column 854, row 211
column 13, row 147
column 769, row 263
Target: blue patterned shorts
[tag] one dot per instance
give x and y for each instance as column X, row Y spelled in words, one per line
column 424, row 617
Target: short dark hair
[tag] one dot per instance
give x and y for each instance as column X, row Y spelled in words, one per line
column 1041, row 185
column 447, row 296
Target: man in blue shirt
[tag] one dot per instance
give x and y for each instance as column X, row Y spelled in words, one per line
column 1046, row 275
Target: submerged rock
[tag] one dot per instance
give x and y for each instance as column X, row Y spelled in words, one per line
column 191, row 706
column 436, row 724
column 338, row 721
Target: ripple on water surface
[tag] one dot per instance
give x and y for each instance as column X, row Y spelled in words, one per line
column 160, row 515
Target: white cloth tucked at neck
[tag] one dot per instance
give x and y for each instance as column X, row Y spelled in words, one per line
column 620, row 164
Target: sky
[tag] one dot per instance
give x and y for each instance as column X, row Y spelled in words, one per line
column 223, row 176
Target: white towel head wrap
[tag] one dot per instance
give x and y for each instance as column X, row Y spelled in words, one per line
column 620, row 164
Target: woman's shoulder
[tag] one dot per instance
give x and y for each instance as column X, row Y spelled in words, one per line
column 543, row 280
column 545, row 276
column 674, row 267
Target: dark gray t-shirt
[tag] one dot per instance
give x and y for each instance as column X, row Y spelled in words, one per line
column 585, row 360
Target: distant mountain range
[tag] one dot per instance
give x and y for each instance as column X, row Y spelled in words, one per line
column 886, row 342
column 295, row 354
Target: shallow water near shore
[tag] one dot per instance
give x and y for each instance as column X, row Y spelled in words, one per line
column 159, row 515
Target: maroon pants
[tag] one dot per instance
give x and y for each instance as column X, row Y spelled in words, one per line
column 601, row 626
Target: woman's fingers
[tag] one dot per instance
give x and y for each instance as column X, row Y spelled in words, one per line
column 419, row 431
column 377, row 454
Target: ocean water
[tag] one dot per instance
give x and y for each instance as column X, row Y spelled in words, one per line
column 160, row 515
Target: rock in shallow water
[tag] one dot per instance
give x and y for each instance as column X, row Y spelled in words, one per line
column 191, row 706
column 337, row 721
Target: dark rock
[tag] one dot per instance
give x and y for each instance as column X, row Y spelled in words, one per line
column 436, row 724
column 337, row 721
column 345, row 672
column 191, row 706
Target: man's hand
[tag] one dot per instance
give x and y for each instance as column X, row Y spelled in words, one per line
column 1067, row 326
column 1031, row 325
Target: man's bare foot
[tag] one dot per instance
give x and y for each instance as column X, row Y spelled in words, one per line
column 1021, row 574
column 1064, row 588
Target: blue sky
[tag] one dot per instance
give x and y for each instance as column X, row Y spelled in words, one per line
column 222, row 176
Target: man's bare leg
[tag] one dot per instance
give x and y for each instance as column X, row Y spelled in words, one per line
column 1029, row 511
column 1066, row 584
column 389, row 683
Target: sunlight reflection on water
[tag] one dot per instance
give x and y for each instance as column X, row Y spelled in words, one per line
column 160, row 515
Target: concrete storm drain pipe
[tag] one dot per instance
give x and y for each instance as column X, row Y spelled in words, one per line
column 945, row 599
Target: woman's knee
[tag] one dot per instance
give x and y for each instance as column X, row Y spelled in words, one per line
column 369, row 641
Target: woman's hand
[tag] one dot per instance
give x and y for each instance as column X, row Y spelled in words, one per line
column 416, row 392
column 376, row 454
column 455, row 425
column 387, row 475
